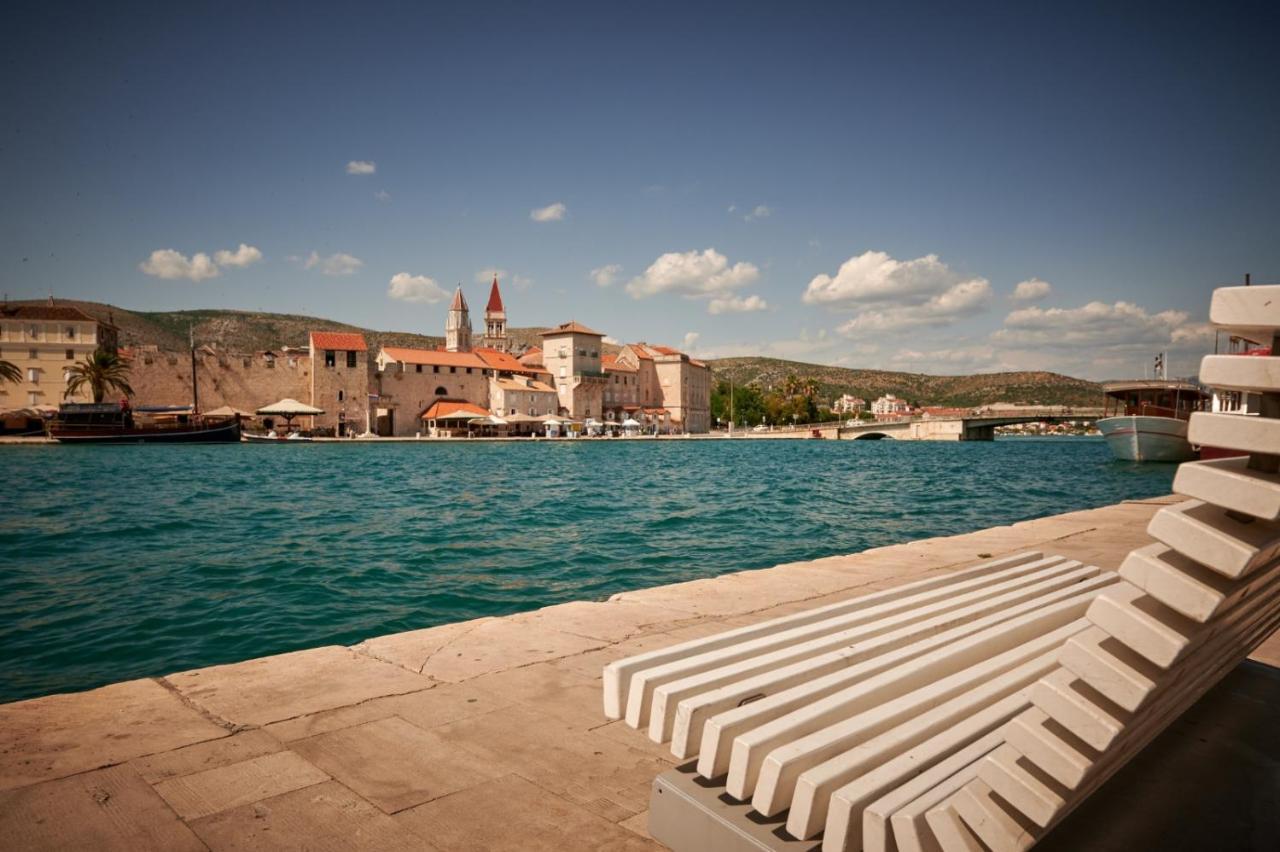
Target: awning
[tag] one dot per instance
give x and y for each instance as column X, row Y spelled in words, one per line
column 290, row 408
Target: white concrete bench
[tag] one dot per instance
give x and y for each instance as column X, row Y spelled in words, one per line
column 975, row 710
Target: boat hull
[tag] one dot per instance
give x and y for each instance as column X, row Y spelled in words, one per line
column 1147, row 439
column 219, row 434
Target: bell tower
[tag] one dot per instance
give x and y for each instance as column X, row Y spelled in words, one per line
column 495, row 320
column 457, row 327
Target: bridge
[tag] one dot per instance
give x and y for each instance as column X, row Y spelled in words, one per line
column 979, row 426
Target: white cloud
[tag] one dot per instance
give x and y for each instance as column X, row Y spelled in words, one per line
column 361, row 167
column 382, row 195
column 241, row 257
column 1031, row 290
column 612, row 341
column 1094, row 324
column 733, row 208
column 1102, row 340
column 550, row 213
column 690, row 341
column 334, row 264
column 760, row 211
column 736, row 305
column 171, row 265
column 955, row 361
column 415, row 288
column 891, row 294
column 692, row 274
column 604, row 276
column 963, row 299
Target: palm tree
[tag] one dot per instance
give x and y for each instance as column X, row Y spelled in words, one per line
column 100, row 371
column 9, row 372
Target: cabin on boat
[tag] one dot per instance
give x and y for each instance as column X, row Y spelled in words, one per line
column 1153, row 398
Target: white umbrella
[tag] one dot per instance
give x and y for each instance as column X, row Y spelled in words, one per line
column 630, row 423
column 551, row 421
column 488, row 420
column 289, row 409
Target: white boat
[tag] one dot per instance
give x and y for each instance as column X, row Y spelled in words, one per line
column 1146, row 421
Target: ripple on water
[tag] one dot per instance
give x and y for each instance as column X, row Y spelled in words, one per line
column 119, row 562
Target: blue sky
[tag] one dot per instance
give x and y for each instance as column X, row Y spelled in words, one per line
column 858, row 184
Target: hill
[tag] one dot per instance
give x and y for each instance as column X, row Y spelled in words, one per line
column 248, row 331
column 1032, row 388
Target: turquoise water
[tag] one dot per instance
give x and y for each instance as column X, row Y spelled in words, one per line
column 121, row 562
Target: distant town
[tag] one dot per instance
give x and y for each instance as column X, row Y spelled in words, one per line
column 474, row 383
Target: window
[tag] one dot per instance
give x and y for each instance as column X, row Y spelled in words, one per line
column 33, row 354
column 330, row 358
column 33, row 397
column 595, row 353
column 66, row 376
column 435, row 368
column 417, row 368
column 34, row 332
column 440, row 391
column 71, row 354
column 562, row 371
column 453, row 369
column 341, row 396
column 71, row 332
column 351, row 359
column 468, row 371
column 33, row 375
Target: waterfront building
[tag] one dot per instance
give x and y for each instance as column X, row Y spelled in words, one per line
column 511, row 395
column 849, row 404
column 340, row 372
column 571, row 352
column 409, row 381
column 457, row 324
column 43, row 341
column 890, row 406
column 669, row 379
column 495, row 321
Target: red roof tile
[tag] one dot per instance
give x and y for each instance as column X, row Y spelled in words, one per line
column 572, row 327
column 501, row 361
column 338, row 340
column 495, row 298
column 47, row 312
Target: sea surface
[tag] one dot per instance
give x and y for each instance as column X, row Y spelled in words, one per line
column 133, row 561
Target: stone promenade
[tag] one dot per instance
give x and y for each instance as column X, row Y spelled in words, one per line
column 482, row 735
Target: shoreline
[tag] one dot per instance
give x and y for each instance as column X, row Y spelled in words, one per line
column 408, row 738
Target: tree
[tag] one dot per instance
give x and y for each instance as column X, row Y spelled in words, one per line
column 9, row 372
column 101, row 371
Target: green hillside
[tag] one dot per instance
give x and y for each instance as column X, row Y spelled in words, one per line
column 1031, row 388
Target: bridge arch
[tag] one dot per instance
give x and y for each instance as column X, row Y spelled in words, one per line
column 872, row 436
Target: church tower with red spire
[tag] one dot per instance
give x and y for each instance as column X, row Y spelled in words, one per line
column 495, row 321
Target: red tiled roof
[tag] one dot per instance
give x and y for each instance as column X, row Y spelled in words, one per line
column 500, row 361
column 610, row 362
column 47, row 312
column 572, row 327
column 338, row 340
column 495, row 298
column 695, row 362
column 436, row 357
column 666, row 350
column 444, row 407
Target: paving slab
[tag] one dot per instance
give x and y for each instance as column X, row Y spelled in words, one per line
column 108, row 810
column 532, row 819
column 395, row 764
column 566, row 695
column 245, row 745
column 427, row 708
column 610, row 621
column 324, row 818
column 271, row 689
column 59, row 735
column 580, row 765
column 485, row 645
column 205, row 793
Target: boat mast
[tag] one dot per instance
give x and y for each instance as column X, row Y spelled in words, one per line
column 195, row 391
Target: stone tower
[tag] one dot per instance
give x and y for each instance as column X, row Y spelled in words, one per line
column 457, row 328
column 495, row 320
